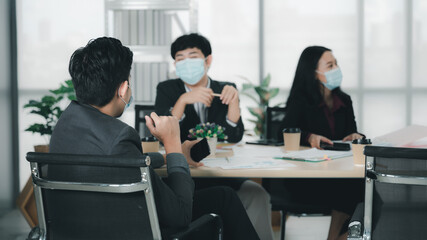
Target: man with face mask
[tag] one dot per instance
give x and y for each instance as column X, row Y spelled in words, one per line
column 190, row 98
column 100, row 74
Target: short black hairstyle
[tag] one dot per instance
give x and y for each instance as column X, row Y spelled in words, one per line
column 190, row 41
column 98, row 69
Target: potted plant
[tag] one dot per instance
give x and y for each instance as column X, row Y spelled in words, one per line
column 50, row 110
column 211, row 131
column 265, row 94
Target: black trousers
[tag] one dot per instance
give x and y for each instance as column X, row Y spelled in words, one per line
column 224, row 202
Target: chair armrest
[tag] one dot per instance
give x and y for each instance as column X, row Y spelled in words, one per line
column 208, row 226
column 395, row 152
column 355, row 227
column 91, row 160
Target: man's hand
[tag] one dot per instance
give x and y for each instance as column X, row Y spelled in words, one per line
column 229, row 95
column 315, row 140
column 186, row 148
column 166, row 129
column 198, row 94
column 352, row 137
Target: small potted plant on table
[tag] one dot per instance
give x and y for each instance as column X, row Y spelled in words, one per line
column 211, row 131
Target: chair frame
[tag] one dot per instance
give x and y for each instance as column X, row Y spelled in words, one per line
column 269, row 118
column 138, row 119
column 355, row 227
column 143, row 185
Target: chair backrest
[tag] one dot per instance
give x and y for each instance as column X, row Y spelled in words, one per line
column 140, row 112
column 93, row 197
column 274, row 120
column 396, row 193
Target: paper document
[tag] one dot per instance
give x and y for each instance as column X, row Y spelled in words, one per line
column 252, row 156
column 314, row 155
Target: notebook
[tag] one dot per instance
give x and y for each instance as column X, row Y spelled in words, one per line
column 314, row 155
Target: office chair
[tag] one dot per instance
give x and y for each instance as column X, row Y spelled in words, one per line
column 395, row 204
column 274, row 119
column 107, row 197
column 140, row 112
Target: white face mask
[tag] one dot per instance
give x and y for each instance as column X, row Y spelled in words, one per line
column 333, row 78
column 191, row 70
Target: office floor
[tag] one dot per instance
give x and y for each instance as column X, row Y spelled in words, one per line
column 14, row 227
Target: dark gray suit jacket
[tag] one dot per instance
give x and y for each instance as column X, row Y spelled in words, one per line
column 82, row 129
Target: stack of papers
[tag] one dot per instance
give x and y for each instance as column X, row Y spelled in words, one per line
column 314, row 155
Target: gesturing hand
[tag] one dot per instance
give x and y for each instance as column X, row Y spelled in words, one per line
column 229, row 95
column 166, row 129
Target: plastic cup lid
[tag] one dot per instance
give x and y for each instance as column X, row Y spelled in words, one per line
column 362, row 141
column 149, row 139
column 291, row 130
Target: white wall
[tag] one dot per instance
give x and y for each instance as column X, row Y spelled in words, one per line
column 6, row 173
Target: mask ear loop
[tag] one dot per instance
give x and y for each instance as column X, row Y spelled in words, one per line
column 121, row 96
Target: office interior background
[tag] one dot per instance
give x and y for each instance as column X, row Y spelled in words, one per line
column 380, row 45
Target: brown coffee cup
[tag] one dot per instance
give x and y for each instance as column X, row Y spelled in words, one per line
column 291, row 138
column 150, row 144
column 357, row 146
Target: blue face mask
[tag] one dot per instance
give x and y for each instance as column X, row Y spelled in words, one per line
column 191, row 70
column 333, row 78
column 127, row 103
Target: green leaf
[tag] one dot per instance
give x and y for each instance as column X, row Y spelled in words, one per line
column 257, row 112
column 246, row 86
column 263, row 94
column 251, row 96
column 266, row 81
column 273, row 92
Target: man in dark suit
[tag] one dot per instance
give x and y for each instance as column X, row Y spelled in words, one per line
column 195, row 98
column 100, row 73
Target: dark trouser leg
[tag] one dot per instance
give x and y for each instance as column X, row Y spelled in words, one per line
column 225, row 202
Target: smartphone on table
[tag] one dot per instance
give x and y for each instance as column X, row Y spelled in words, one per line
column 200, row 150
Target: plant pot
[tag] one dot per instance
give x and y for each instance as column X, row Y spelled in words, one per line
column 41, row 148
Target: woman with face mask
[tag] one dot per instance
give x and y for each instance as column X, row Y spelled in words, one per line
column 324, row 113
column 316, row 103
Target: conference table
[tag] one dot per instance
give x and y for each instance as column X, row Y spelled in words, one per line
column 336, row 168
column 261, row 162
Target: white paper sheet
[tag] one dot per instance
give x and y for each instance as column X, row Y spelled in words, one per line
column 252, row 157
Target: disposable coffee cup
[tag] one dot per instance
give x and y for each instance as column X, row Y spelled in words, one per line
column 150, row 144
column 291, row 137
column 357, row 146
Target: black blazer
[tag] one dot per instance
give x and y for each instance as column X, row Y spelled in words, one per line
column 311, row 119
column 168, row 93
column 83, row 129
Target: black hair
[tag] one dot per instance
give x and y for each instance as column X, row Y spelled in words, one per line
column 306, row 85
column 98, row 69
column 190, row 41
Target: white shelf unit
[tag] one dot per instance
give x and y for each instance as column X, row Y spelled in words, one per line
column 146, row 27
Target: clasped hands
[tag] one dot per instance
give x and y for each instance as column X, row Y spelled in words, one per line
column 228, row 96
